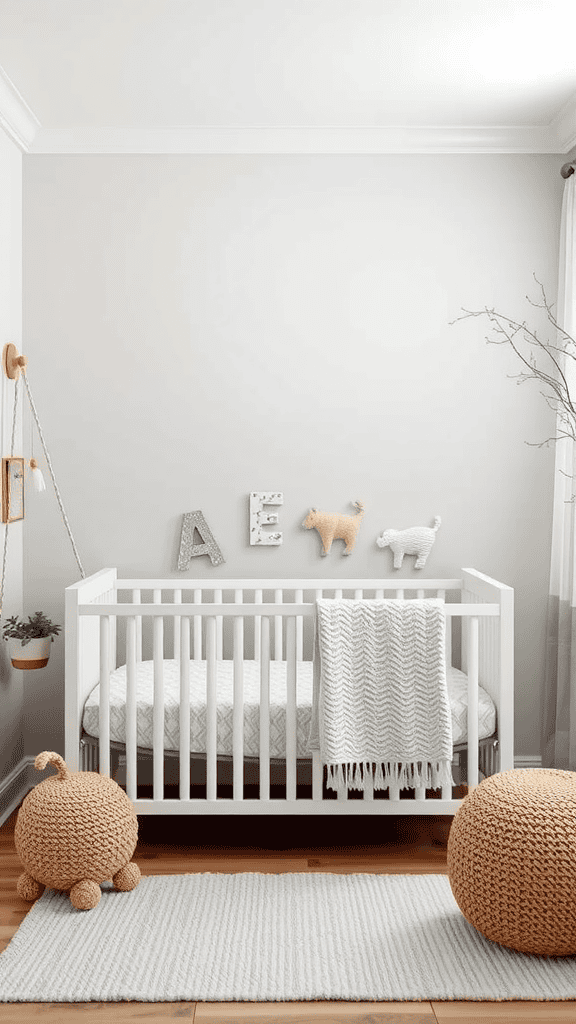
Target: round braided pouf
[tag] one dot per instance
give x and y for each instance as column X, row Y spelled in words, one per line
column 512, row 860
column 74, row 831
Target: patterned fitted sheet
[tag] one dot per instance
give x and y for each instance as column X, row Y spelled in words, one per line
column 457, row 692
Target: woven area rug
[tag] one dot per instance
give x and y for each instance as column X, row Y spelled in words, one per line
column 264, row 937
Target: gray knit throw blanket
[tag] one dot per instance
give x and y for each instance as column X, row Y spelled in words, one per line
column 380, row 708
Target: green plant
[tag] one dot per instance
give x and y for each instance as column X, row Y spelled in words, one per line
column 38, row 625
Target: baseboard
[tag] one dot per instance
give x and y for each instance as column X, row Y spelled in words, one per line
column 24, row 777
column 17, row 784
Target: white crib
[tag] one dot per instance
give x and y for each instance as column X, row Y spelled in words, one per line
column 258, row 623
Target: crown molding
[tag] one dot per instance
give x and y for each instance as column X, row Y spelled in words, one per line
column 302, row 140
column 16, row 118
column 563, row 126
column 23, row 127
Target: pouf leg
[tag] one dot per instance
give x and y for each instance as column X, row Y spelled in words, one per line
column 127, row 878
column 28, row 888
column 85, row 895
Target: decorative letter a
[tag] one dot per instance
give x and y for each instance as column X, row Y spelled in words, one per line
column 188, row 549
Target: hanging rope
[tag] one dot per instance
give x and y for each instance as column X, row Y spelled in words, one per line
column 49, row 464
column 7, row 524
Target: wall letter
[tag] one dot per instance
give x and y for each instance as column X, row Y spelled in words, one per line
column 188, row 549
column 260, row 518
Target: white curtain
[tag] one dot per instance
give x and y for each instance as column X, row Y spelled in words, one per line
column 558, row 733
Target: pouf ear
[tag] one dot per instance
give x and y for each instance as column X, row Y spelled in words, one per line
column 512, row 860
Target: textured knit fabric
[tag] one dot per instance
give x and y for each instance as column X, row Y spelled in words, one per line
column 381, row 710
column 512, row 860
column 72, row 828
column 257, row 937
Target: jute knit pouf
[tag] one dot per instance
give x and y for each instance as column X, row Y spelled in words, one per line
column 74, row 831
column 512, row 860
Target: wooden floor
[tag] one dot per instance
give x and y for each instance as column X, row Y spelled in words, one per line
column 175, row 846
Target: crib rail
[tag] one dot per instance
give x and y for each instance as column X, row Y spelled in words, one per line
column 95, row 615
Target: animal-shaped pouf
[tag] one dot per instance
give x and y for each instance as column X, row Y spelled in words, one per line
column 332, row 526
column 418, row 540
column 75, row 830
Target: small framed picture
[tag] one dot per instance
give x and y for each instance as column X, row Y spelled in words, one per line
column 12, row 490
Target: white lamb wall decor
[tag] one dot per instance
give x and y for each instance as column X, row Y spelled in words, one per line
column 417, row 540
column 333, row 526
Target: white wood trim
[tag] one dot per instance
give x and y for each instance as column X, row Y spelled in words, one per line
column 131, row 706
column 382, row 808
column 563, row 126
column 321, row 139
column 265, row 710
column 104, row 703
column 16, row 118
column 279, row 611
column 184, row 715
column 310, row 583
column 472, row 740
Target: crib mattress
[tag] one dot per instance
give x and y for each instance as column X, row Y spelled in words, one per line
column 457, row 691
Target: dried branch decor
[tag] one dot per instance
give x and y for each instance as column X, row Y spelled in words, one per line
column 557, row 368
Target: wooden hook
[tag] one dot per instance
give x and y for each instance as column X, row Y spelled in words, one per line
column 12, row 363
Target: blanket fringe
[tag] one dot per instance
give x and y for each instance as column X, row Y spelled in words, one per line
column 409, row 775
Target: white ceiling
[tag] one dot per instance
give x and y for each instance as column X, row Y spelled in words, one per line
column 460, row 72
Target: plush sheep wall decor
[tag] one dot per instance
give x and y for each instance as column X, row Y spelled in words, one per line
column 418, row 540
column 333, row 526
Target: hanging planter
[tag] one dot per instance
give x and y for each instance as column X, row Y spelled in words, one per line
column 31, row 654
column 29, row 642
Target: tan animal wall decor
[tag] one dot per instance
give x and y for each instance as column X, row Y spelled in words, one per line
column 333, row 526
column 417, row 540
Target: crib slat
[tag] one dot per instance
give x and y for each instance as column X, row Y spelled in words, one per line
column 104, row 709
column 317, row 775
column 472, row 648
column 257, row 627
column 369, row 790
column 265, row 711
column 291, row 670
column 176, row 642
column 211, row 767
column 197, row 628
column 219, row 627
column 185, row 709
column 136, row 598
column 238, row 706
column 158, row 711
column 278, row 598
column 131, row 725
column 299, row 598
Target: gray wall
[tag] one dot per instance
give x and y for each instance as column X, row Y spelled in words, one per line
column 11, row 681
column 202, row 326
